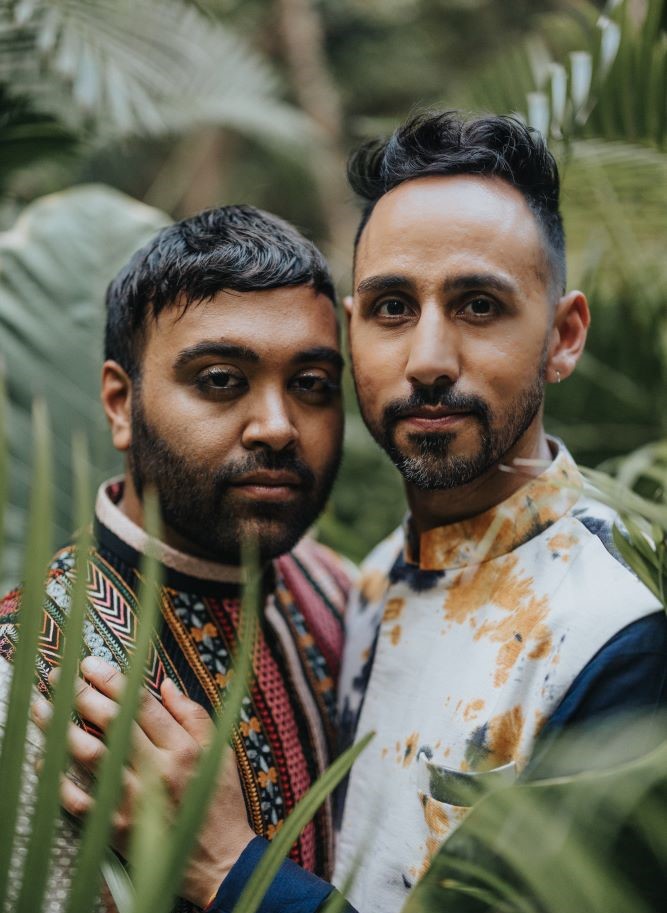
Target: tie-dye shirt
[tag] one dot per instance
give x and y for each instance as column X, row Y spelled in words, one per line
column 457, row 658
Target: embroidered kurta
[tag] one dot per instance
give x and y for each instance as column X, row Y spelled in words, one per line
column 457, row 657
column 287, row 731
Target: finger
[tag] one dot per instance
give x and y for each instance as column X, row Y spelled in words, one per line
column 85, row 749
column 189, row 714
column 73, row 798
column 104, row 677
column 157, row 723
column 100, row 711
column 94, row 706
column 41, row 712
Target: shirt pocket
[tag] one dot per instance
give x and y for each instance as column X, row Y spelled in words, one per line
column 444, row 800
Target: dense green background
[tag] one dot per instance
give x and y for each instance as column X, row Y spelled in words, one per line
column 182, row 105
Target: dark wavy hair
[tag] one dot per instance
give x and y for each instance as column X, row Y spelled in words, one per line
column 234, row 248
column 445, row 143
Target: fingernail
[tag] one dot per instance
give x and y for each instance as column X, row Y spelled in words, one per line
column 54, row 675
column 42, row 709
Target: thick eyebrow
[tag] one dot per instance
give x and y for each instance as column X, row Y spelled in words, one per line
column 480, row 281
column 383, row 283
column 320, row 353
column 456, row 284
column 211, row 347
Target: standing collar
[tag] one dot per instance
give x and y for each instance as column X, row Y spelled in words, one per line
column 110, row 517
column 543, row 500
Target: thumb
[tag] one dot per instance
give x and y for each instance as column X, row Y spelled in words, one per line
column 191, row 715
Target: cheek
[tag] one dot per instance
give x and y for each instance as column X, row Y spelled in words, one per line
column 193, row 428
column 503, row 363
column 379, row 368
column 321, row 437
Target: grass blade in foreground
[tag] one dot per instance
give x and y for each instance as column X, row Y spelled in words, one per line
column 157, row 888
column 300, row 815
column 4, row 461
column 97, row 827
column 569, row 843
column 118, row 881
column 47, row 807
column 38, row 553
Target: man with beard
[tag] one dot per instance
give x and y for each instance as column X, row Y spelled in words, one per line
column 499, row 612
column 221, row 386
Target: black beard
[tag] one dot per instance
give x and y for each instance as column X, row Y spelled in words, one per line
column 434, row 467
column 198, row 503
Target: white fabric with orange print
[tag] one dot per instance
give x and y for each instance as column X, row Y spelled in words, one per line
column 459, row 660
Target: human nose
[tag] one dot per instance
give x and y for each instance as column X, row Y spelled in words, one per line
column 270, row 424
column 433, row 355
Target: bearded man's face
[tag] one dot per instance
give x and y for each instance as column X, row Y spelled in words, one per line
column 449, row 326
column 237, row 420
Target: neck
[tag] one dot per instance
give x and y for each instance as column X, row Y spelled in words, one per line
column 431, row 509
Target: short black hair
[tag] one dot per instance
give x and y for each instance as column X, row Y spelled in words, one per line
column 235, row 248
column 445, row 143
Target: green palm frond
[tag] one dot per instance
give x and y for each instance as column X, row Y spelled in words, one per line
column 584, row 74
column 54, row 267
column 150, row 66
column 614, row 201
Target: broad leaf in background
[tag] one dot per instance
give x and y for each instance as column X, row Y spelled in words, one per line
column 55, row 265
column 106, row 70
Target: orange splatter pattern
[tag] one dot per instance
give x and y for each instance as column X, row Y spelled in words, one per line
column 373, row 585
column 504, row 735
column 395, row 635
column 407, row 750
column 393, row 609
column 502, row 584
column 472, row 710
column 563, row 542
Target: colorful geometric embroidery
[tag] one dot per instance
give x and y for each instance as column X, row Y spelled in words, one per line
column 195, row 645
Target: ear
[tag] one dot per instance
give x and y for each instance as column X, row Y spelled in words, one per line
column 568, row 336
column 116, row 395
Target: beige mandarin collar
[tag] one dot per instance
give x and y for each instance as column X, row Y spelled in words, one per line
column 110, row 515
column 538, row 504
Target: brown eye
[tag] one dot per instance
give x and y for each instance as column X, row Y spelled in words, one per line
column 479, row 308
column 221, row 379
column 392, row 307
column 314, row 385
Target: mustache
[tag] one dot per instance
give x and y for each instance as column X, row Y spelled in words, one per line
column 264, row 459
column 447, row 397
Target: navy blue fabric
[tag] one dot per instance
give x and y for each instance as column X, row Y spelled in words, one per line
column 628, row 673
column 293, row 890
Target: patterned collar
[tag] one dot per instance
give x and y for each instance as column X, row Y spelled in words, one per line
column 528, row 512
column 110, row 516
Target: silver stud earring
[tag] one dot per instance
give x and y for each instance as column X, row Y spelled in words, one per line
column 557, row 377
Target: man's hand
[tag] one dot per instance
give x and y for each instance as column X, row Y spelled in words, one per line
column 169, row 737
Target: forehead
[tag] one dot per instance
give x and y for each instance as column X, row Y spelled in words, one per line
column 451, row 223
column 275, row 323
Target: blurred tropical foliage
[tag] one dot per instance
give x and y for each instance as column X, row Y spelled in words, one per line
column 181, row 104
column 117, row 116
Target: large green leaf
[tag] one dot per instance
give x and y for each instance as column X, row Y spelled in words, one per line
column 54, row 267
column 150, row 66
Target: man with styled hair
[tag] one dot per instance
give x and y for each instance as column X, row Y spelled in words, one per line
column 221, row 385
column 499, row 614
